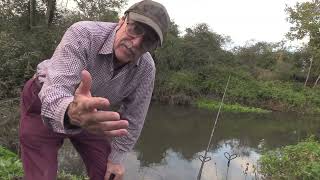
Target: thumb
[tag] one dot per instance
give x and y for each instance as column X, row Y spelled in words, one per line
column 86, row 83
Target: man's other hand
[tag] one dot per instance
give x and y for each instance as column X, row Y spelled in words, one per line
column 116, row 169
column 91, row 113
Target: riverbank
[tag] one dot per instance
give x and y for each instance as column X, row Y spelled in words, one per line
column 214, row 105
column 299, row 161
column 244, row 94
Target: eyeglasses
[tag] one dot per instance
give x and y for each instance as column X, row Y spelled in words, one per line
column 135, row 29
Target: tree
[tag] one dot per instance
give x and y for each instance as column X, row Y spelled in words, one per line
column 305, row 20
column 100, row 9
column 169, row 56
column 30, row 31
column 32, row 13
column 259, row 54
column 51, row 8
column 202, row 47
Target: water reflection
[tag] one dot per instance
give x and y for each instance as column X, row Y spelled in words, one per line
column 174, row 137
column 174, row 166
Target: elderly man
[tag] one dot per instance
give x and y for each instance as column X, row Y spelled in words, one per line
column 96, row 64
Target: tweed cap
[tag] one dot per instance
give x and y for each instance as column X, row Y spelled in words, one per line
column 152, row 14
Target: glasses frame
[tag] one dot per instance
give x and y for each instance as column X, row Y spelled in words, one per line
column 148, row 44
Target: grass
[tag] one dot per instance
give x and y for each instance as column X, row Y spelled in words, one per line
column 11, row 167
column 214, row 105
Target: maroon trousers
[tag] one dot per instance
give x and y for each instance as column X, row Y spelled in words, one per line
column 40, row 145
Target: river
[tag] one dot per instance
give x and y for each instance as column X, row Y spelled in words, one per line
column 174, row 137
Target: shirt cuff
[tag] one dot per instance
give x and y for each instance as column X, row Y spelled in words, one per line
column 117, row 157
column 61, row 116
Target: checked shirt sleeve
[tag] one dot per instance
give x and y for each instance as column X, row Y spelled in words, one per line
column 63, row 75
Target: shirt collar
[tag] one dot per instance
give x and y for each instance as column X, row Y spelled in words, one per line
column 107, row 48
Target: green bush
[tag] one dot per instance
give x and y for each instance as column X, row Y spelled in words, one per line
column 20, row 53
column 208, row 82
column 300, row 161
column 182, row 81
column 11, row 167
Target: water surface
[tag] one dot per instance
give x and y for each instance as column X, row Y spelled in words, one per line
column 174, row 137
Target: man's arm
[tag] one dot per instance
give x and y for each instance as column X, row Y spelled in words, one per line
column 62, row 76
column 134, row 109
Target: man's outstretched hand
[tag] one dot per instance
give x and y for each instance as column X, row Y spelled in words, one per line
column 91, row 113
column 114, row 171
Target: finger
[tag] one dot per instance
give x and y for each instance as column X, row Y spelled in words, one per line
column 99, row 116
column 110, row 134
column 86, row 83
column 96, row 103
column 108, row 126
column 116, row 133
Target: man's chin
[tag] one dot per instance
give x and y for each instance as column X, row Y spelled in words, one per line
column 124, row 60
column 123, row 56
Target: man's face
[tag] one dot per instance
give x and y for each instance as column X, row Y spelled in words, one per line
column 128, row 47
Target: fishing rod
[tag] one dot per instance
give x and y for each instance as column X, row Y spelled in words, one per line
column 229, row 158
column 204, row 158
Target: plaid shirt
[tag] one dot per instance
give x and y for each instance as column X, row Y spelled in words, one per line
column 89, row 45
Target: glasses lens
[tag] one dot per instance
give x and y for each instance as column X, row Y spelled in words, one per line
column 149, row 43
column 135, row 30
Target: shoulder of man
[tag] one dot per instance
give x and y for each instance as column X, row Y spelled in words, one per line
column 147, row 62
column 94, row 27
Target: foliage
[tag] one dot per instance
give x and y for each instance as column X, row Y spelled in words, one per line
column 214, row 105
column 191, row 66
column 9, row 122
column 300, row 161
column 267, row 61
column 305, row 20
column 260, row 54
column 170, row 55
column 16, row 64
column 11, row 167
column 196, row 66
column 208, row 82
column 100, row 10
column 22, row 47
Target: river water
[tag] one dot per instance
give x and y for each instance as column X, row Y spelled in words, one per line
column 174, row 137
